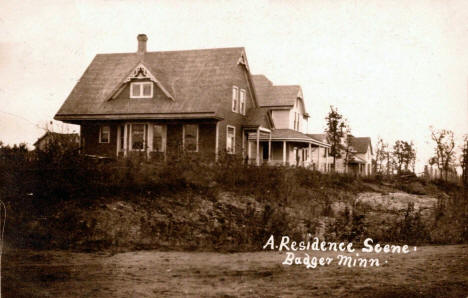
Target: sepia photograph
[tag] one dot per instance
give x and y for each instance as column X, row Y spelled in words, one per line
column 260, row 148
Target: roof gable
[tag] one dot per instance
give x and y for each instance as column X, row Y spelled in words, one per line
column 140, row 72
column 361, row 144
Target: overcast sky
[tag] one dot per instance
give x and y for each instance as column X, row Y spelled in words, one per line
column 393, row 68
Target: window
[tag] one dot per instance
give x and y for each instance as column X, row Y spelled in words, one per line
column 159, row 138
column 141, row 90
column 235, row 99
column 138, row 136
column 230, row 139
column 296, row 121
column 104, row 134
column 242, row 102
column 190, row 137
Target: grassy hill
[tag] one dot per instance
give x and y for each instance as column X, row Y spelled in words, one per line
column 63, row 200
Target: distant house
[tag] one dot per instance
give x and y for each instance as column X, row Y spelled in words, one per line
column 202, row 102
column 360, row 156
column 68, row 140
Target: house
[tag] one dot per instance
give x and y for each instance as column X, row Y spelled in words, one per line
column 288, row 141
column 360, row 155
column 64, row 140
column 202, row 102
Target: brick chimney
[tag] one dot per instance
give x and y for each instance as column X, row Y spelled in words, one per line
column 142, row 38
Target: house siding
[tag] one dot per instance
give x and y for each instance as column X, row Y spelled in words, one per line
column 231, row 118
column 90, row 139
column 281, row 119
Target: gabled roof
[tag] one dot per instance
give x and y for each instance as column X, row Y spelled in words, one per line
column 196, row 79
column 361, row 144
column 74, row 137
column 270, row 95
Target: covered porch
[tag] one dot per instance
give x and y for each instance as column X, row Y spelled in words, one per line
column 286, row 147
column 357, row 166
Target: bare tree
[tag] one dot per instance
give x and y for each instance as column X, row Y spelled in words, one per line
column 381, row 156
column 464, row 161
column 444, row 150
column 335, row 129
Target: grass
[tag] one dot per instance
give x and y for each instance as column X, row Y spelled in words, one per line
column 60, row 199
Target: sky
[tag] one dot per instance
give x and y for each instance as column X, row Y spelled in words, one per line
column 393, row 68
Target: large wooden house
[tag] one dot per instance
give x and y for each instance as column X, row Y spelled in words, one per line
column 204, row 102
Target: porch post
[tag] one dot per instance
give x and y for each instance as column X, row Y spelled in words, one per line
column 243, row 144
column 318, row 158
column 258, row 146
column 125, row 132
column 249, row 150
column 119, row 132
column 217, row 141
column 149, row 139
column 269, row 148
column 326, row 159
column 310, row 154
column 284, row 152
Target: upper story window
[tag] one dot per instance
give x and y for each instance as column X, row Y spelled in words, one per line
column 141, row 90
column 104, row 134
column 190, row 135
column 235, row 99
column 230, row 139
column 242, row 102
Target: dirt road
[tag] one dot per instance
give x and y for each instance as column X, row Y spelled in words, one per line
column 431, row 271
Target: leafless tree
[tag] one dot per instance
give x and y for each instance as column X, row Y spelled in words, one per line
column 381, row 157
column 444, row 150
column 464, row 160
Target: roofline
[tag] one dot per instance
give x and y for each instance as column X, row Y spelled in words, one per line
column 193, row 115
column 293, row 139
column 170, row 51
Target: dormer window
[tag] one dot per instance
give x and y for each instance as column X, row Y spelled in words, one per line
column 141, row 90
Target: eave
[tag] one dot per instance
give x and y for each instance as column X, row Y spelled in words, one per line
column 138, row 116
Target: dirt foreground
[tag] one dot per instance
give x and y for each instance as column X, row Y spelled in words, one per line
column 431, row 271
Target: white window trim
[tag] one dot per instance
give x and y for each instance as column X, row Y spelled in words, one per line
column 145, row 136
column 100, row 134
column 164, row 137
column 132, row 84
column 183, row 137
column 242, row 91
column 236, row 98
column 234, row 144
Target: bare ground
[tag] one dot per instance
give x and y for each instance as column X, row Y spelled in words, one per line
column 431, row 271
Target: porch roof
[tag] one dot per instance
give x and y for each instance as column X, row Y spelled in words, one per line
column 289, row 135
column 356, row 160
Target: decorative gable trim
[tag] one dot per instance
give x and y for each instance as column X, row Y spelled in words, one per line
column 243, row 61
column 140, row 72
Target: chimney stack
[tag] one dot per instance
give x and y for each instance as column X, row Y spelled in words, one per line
column 142, row 38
